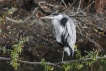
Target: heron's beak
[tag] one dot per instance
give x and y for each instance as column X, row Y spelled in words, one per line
column 47, row 17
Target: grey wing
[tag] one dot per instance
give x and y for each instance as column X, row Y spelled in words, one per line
column 72, row 33
column 71, row 28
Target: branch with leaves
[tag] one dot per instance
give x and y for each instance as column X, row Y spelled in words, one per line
column 54, row 64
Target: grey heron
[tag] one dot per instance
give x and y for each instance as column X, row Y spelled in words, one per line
column 65, row 31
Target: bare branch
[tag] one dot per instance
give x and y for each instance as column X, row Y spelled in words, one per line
column 72, row 4
column 23, row 20
column 64, row 4
column 83, row 9
column 79, row 16
column 42, row 10
column 42, row 2
column 79, row 5
column 79, row 25
column 98, row 46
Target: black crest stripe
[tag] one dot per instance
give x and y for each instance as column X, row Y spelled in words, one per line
column 64, row 21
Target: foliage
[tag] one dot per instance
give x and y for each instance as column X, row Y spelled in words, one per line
column 15, row 53
column 78, row 64
column 46, row 67
column 8, row 12
column 66, row 66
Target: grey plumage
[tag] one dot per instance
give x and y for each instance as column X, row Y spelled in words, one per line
column 65, row 31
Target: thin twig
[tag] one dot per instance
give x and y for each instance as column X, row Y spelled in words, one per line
column 79, row 16
column 79, row 28
column 83, row 9
column 98, row 46
column 23, row 20
column 72, row 4
column 64, row 4
column 79, row 5
column 42, row 2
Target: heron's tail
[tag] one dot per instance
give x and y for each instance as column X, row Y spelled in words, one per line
column 69, row 51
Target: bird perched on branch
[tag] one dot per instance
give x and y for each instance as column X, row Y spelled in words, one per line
column 65, row 31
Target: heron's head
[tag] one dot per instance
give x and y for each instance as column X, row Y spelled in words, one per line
column 53, row 16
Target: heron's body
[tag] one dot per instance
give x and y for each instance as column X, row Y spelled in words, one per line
column 65, row 31
column 58, row 30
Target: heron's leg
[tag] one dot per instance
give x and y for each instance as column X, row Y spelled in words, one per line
column 63, row 56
